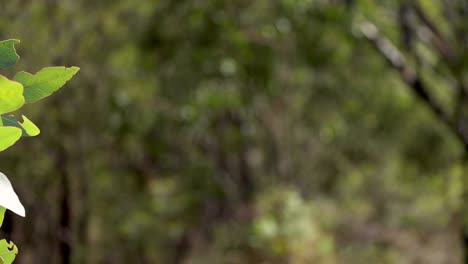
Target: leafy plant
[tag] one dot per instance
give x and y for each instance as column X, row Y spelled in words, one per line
column 22, row 89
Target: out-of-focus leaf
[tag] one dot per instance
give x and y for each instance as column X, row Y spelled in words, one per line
column 8, row 56
column 45, row 82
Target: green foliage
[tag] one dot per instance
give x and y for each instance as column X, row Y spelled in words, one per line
column 13, row 94
column 8, row 136
column 45, row 82
column 27, row 127
column 8, row 56
column 8, row 252
column 2, row 214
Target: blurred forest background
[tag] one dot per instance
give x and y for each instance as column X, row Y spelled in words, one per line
column 244, row 131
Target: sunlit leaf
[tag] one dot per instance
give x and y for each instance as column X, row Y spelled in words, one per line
column 2, row 214
column 45, row 82
column 11, row 95
column 8, row 251
column 8, row 136
column 28, row 128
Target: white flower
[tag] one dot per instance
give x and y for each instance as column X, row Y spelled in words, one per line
column 8, row 197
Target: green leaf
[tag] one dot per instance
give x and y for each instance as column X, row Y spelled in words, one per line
column 2, row 214
column 8, row 251
column 8, row 56
column 8, row 136
column 11, row 95
column 28, row 128
column 44, row 82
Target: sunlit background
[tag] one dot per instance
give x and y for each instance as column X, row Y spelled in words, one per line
column 240, row 131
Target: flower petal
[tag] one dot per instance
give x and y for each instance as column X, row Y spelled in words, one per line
column 8, row 197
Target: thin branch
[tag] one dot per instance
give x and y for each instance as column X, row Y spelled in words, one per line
column 447, row 53
column 397, row 61
column 439, row 39
column 394, row 57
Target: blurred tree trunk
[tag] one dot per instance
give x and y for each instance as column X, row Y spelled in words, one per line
column 235, row 204
column 456, row 122
column 64, row 229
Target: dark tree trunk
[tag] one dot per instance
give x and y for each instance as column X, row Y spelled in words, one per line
column 65, row 250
